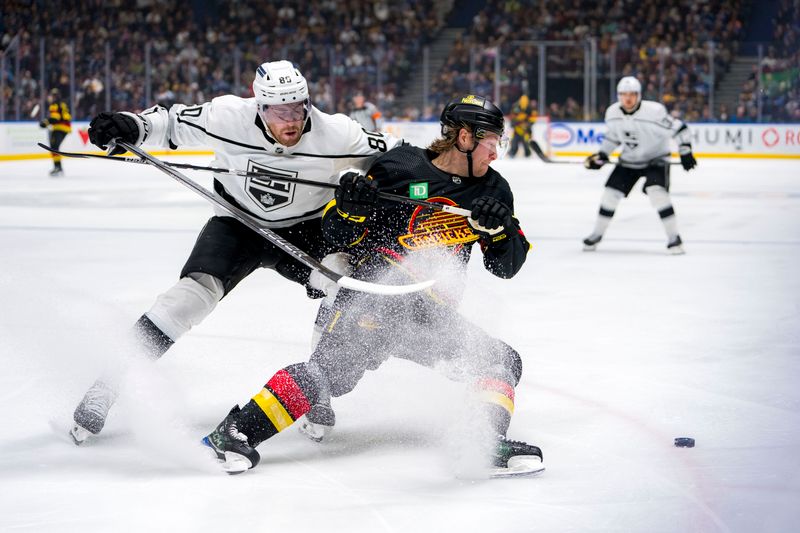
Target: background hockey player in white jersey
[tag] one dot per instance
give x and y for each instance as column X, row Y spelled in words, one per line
column 644, row 129
column 366, row 113
column 278, row 133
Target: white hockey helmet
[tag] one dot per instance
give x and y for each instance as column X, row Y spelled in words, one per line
column 629, row 84
column 278, row 83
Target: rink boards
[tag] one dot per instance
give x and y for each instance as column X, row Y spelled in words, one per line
column 560, row 139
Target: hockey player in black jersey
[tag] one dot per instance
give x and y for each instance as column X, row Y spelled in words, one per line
column 395, row 242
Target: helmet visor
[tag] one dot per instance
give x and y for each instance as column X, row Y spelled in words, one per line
column 274, row 114
column 497, row 143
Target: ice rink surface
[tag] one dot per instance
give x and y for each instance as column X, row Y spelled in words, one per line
column 624, row 349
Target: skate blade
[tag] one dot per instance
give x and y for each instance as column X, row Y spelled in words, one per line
column 79, row 434
column 676, row 250
column 236, row 463
column 518, row 466
column 315, row 432
column 589, row 247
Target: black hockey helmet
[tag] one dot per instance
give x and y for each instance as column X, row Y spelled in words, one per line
column 475, row 112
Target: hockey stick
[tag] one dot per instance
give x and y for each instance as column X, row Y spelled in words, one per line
column 544, row 157
column 247, row 174
column 271, row 236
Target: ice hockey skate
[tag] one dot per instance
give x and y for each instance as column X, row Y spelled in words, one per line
column 513, row 458
column 56, row 172
column 318, row 423
column 590, row 242
column 90, row 415
column 230, row 445
column 675, row 247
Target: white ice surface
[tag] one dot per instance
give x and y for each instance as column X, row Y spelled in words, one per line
column 624, row 349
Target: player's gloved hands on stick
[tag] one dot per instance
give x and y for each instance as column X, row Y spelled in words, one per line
column 688, row 162
column 595, row 161
column 356, row 196
column 107, row 126
column 490, row 216
column 42, row 123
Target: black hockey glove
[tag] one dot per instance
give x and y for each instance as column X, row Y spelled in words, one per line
column 688, row 162
column 595, row 161
column 107, row 126
column 356, row 196
column 43, row 123
column 491, row 217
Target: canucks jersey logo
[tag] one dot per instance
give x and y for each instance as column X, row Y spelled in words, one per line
column 427, row 228
column 269, row 191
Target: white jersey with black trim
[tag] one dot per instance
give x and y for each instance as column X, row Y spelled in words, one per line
column 231, row 126
column 644, row 134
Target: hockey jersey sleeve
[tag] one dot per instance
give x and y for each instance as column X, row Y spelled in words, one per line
column 679, row 129
column 362, row 141
column 180, row 125
column 611, row 139
column 362, row 146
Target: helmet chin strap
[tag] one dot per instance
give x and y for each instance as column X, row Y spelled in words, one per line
column 469, row 157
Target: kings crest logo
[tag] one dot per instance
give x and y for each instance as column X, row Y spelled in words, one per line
column 269, row 191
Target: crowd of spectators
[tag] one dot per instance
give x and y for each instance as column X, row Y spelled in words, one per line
column 779, row 71
column 372, row 46
column 664, row 43
column 198, row 50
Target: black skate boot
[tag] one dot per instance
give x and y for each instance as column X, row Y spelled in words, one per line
column 90, row 415
column 675, row 246
column 231, row 446
column 319, row 421
column 590, row 242
column 515, row 458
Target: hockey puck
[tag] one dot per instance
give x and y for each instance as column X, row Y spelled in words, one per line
column 684, row 442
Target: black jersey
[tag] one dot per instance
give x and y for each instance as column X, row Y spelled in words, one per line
column 399, row 229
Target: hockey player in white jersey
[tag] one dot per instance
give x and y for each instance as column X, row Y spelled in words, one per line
column 278, row 133
column 645, row 130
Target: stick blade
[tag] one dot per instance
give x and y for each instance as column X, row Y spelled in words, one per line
column 378, row 288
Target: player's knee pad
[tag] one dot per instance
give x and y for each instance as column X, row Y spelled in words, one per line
column 341, row 370
column 611, row 199
column 505, row 365
column 513, row 363
column 186, row 304
column 312, row 382
column 659, row 197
